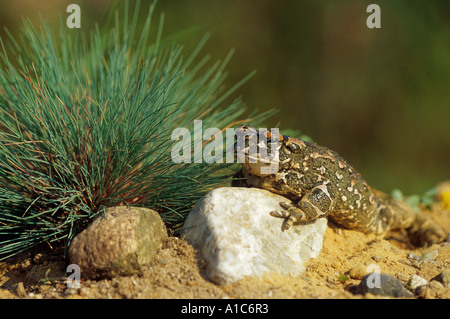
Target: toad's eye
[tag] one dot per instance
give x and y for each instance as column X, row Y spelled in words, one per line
column 292, row 146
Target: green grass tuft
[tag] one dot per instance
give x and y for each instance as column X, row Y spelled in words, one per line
column 85, row 123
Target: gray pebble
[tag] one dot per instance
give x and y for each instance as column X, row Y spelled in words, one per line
column 381, row 284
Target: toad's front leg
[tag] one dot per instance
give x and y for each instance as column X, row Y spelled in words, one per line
column 316, row 203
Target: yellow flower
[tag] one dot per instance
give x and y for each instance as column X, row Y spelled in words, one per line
column 446, row 200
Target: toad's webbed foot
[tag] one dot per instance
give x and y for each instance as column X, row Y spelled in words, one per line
column 293, row 214
column 316, row 203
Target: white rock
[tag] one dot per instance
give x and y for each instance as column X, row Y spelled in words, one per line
column 416, row 281
column 232, row 229
column 428, row 257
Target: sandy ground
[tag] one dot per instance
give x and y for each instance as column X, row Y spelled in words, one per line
column 178, row 273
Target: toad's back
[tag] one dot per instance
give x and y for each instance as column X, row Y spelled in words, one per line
column 321, row 183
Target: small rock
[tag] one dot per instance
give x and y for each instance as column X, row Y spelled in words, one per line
column 415, row 260
column 232, row 229
column 428, row 257
column 20, row 290
column 436, row 287
column 35, row 296
column 434, row 290
column 443, row 278
column 37, row 259
column 120, row 242
column 358, row 272
column 416, row 281
column 411, row 256
column 381, row 284
column 403, row 277
column 70, row 291
column 423, row 292
column 377, row 258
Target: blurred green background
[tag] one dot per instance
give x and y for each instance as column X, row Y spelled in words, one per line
column 379, row 97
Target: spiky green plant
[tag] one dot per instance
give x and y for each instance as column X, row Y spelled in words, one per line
column 86, row 121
